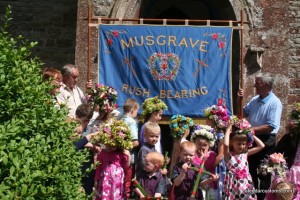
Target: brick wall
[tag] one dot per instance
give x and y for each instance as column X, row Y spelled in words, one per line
column 51, row 23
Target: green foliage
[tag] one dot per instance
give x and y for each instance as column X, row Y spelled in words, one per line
column 37, row 158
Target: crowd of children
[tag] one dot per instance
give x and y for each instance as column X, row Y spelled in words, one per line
column 208, row 161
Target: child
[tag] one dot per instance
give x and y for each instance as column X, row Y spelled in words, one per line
column 283, row 190
column 151, row 135
column 204, row 137
column 152, row 112
column 113, row 160
column 238, row 182
column 180, row 129
column 130, row 108
column 184, row 179
column 153, row 182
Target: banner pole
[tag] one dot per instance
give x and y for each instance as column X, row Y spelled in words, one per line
column 242, row 63
column 89, row 43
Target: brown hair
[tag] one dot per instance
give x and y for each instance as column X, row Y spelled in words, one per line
column 51, row 73
column 156, row 158
column 129, row 104
column 187, row 145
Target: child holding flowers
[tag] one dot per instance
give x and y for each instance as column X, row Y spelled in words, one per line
column 180, row 129
column 204, row 137
column 113, row 160
column 152, row 112
column 238, row 137
column 218, row 115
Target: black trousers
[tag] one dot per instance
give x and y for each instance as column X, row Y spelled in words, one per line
column 255, row 160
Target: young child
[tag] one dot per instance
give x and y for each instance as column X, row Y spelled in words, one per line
column 180, row 130
column 153, row 181
column 113, row 160
column 283, row 190
column 152, row 112
column 238, row 181
column 204, row 137
column 130, row 108
column 184, row 179
column 151, row 135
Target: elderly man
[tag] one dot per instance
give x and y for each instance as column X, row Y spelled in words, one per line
column 70, row 94
column 263, row 112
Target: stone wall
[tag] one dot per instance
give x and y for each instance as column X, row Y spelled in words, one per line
column 51, row 23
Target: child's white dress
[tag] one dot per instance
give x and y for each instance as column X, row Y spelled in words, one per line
column 238, row 181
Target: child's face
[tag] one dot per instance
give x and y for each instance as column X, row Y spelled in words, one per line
column 202, row 146
column 150, row 166
column 134, row 112
column 238, row 145
column 156, row 116
column 152, row 136
column 187, row 155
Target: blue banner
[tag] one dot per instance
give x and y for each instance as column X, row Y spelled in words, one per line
column 188, row 67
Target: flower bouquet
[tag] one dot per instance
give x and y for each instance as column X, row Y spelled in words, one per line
column 275, row 164
column 204, row 131
column 103, row 96
column 117, row 134
column 242, row 126
column 179, row 125
column 218, row 114
column 153, row 104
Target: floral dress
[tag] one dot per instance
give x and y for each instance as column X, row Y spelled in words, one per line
column 109, row 178
column 295, row 171
column 238, row 181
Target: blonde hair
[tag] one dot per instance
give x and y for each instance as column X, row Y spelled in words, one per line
column 284, row 191
column 187, row 145
column 129, row 104
column 149, row 126
column 156, row 158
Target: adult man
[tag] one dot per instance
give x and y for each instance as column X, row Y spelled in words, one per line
column 263, row 112
column 70, row 94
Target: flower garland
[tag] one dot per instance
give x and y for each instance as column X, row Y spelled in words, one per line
column 117, row 134
column 294, row 115
column 275, row 164
column 103, row 96
column 205, row 131
column 242, row 126
column 218, row 114
column 153, row 104
column 179, row 125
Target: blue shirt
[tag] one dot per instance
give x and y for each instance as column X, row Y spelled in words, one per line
column 265, row 111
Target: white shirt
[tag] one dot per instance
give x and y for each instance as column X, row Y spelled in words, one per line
column 72, row 98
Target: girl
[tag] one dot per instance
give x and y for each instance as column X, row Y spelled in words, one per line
column 180, row 129
column 152, row 111
column 238, row 181
column 113, row 160
column 204, row 138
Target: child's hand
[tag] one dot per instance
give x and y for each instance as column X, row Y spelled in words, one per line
column 164, row 171
column 185, row 167
column 214, row 177
column 126, row 152
column 96, row 149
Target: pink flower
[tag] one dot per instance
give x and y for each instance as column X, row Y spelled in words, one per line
column 241, row 173
column 277, row 158
column 220, row 102
column 121, row 134
column 214, row 36
column 221, row 44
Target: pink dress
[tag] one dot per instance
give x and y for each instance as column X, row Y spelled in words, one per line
column 109, row 177
column 238, row 181
column 295, row 171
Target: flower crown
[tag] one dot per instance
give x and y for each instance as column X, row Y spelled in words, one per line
column 179, row 124
column 275, row 164
column 205, row 131
column 294, row 115
column 242, row 126
column 117, row 134
column 104, row 96
column 218, row 114
column 153, row 104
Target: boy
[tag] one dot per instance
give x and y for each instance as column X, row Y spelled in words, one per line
column 184, row 179
column 130, row 108
column 151, row 135
column 153, row 182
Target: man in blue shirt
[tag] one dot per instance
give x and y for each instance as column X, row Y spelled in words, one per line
column 263, row 112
